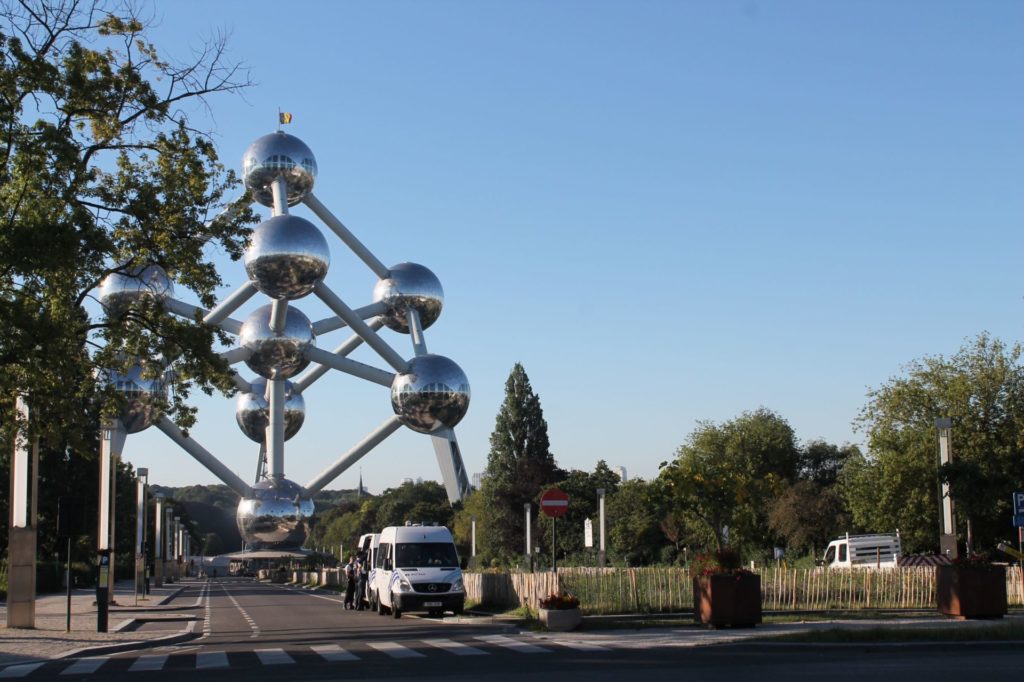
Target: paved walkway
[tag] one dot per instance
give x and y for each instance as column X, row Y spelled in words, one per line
column 50, row 640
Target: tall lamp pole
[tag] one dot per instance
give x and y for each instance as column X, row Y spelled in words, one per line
column 947, row 530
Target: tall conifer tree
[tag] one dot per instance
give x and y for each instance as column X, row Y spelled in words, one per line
column 519, row 465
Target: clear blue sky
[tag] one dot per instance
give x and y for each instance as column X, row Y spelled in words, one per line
column 667, row 211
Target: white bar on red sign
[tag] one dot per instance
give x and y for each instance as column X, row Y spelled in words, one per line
column 554, row 503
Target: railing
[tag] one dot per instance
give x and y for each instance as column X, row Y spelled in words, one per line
column 666, row 590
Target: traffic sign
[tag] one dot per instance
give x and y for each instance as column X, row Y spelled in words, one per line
column 1018, row 503
column 554, row 502
column 1018, row 520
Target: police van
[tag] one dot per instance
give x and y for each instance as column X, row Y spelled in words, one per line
column 367, row 547
column 417, row 569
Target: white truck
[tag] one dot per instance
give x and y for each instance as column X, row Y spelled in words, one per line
column 417, row 569
column 863, row 551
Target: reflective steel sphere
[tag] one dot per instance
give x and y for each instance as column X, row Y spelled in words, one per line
column 409, row 285
column 276, row 356
column 433, row 394
column 120, row 290
column 278, row 154
column 277, row 516
column 142, row 395
column 252, row 411
column 287, row 257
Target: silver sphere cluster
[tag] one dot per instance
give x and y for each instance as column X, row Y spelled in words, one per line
column 409, row 285
column 119, row 290
column 278, row 155
column 252, row 411
column 287, row 257
column 272, row 355
column 432, row 395
column 278, row 515
column 142, row 396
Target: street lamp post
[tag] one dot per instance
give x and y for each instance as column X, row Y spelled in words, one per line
column 142, row 478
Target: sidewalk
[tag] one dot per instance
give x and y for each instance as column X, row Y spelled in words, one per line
column 49, row 640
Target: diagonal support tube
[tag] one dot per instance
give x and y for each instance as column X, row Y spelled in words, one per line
column 236, row 355
column 201, row 455
column 359, row 327
column 230, row 304
column 192, row 312
column 357, row 369
column 353, row 342
column 354, row 455
column 350, row 239
column 331, row 323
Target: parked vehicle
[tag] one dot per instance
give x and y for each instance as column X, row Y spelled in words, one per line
column 417, row 569
column 367, row 546
column 863, row 551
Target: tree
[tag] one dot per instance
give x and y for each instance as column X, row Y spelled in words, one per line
column 519, row 465
column 981, row 388
column 726, row 475
column 102, row 171
column 634, row 530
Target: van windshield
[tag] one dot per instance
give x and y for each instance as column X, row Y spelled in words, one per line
column 414, row 554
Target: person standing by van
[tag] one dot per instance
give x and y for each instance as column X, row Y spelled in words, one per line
column 362, row 573
column 350, row 585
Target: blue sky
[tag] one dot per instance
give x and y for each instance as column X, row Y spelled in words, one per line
column 667, row 211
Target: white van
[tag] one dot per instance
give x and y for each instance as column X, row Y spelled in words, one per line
column 863, row 551
column 417, row 569
column 367, row 546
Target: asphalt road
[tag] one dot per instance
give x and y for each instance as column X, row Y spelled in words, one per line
column 254, row 631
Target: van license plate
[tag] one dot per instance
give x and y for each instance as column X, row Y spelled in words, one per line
column 429, row 604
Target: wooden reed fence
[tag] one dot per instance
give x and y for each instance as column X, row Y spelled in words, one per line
column 666, row 590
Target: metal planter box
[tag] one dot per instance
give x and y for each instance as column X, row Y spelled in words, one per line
column 733, row 600
column 971, row 591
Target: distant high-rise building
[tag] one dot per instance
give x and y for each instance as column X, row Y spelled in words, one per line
column 406, row 480
column 478, row 479
column 621, row 471
column 419, row 480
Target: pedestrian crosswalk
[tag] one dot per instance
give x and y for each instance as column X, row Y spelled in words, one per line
column 206, row 658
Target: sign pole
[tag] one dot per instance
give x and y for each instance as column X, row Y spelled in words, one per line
column 554, row 560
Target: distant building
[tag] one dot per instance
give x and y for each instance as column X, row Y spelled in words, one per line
column 621, row 471
column 407, row 480
column 478, row 479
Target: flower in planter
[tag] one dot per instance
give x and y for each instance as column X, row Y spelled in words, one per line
column 725, row 561
column 559, row 602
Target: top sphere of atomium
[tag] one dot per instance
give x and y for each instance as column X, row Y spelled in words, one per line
column 278, row 155
column 287, row 257
column 409, row 285
column 142, row 395
column 118, row 290
column 433, row 394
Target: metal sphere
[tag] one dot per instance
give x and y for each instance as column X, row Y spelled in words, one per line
column 432, row 395
column 276, row 356
column 119, row 290
column 142, row 397
column 274, row 155
column 409, row 285
column 252, row 411
column 287, row 257
column 277, row 516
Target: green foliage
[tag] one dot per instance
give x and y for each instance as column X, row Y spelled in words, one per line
column 582, row 488
column 726, row 475
column 981, row 388
column 102, row 171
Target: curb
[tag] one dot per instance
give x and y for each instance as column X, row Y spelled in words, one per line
column 185, row 635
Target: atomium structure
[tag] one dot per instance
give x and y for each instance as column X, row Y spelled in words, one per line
column 288, row 259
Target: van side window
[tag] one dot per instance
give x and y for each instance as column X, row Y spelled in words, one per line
column 830, row 555
column 842, row 552
column 383, row 552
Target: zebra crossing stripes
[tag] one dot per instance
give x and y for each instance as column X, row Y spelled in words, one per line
column 211, row 659
column 273, row 657
column 395, row 650
column 333, row 653
column 148, row 663
column 19, row 670
column 513, row 644
column 457, row 648
column 85, row 665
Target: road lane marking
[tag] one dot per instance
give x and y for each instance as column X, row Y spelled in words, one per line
column 85, row 665
column 211, row 659
column 146, row 663
column 395, row 650
column 579, row 646
column 457, row 648
column 514, row 644
column 20, row 670
column 255, row 629
column 273, row 657
column 334, row 653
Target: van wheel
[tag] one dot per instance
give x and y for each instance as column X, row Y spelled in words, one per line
column 380, row 605
column 395, row 611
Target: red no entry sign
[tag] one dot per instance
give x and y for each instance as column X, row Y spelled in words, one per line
column 554, row 502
